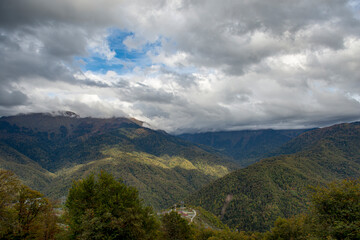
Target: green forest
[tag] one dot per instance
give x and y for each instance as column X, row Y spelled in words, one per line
column 119, row 180
column 102, row 207
column 48, row 153
column 278, row 186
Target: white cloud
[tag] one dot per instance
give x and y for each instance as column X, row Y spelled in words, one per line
column 220, row 65
column 98, row 44
column 134, row 43
column 174, row 60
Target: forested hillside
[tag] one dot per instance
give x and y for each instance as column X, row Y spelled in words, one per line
column 49, row 151
column 254, row 197
column 247, row 146
column 102, row 207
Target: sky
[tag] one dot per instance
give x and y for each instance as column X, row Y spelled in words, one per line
column 184, row 65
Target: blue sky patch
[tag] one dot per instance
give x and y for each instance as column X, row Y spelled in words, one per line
column 125, row 60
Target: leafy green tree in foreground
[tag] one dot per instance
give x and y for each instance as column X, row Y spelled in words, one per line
column 9, row 186
column 208, row 234
column 294, row 228
column 104, row 208
column 175, row 227
column 336, row 210
column 24, row 213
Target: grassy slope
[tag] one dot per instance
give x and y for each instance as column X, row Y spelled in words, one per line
column 277, row 186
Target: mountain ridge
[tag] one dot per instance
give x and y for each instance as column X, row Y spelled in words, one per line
column 278, row 186
column 163, row 167
column 245, row 146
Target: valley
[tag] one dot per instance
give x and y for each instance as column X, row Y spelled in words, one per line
column 245, row 178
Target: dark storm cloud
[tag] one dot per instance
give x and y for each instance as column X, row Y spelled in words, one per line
column 10, row 98
column 46, row 53
column 40, row 38
column 41, row 12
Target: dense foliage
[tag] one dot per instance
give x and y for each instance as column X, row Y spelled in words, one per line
column 100, row 207
column 104, row 208
column 336, row 210
column 24, row 213
column 254, row 197
column 246, row 146
column 174, row 227
column 334, row 214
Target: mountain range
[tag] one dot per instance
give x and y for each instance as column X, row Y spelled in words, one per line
column 252, row 198
column 246, row 146
column 246, row 178
column 50, row 151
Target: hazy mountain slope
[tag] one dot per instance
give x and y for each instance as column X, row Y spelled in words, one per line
column 252, row 198
column 342, row 135
column 164, row 168
column 29, row 171
column 247, row 146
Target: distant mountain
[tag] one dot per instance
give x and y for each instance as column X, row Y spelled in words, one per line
column 254, row 197
column 48, row 151
column 247, row 146
column 55, row 141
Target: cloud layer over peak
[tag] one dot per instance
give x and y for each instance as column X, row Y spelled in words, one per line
column 184, row 65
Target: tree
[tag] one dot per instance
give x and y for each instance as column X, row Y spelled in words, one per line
column 35, row 216
column 24, row 213
column 9, row 185
column 294, row 228
column 335, row 210
column 175, row 227
column 104, row 208
column 334, row 214
column 227, row 234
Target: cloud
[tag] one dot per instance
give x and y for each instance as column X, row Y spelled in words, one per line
column 184, row 65
column 12, row 98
